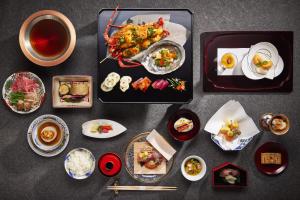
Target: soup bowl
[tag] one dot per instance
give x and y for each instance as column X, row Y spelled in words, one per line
column 54, row 49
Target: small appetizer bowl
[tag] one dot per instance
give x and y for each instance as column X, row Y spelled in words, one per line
column 110, row 164
column 198, row 176
column 184, row 136
column 149, row 62
column 37, row 135
column 229, row 61
column 87, row 173
column 68, row 36
column 264, row 121
column 283, row 120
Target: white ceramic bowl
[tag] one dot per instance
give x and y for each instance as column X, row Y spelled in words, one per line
column 190, row 177
column 88, row 173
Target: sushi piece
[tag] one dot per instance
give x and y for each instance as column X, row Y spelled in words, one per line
column 160, row 84
column 142, row 84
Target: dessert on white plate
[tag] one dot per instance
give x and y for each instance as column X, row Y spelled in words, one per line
column 263, row 58
column 255, row 76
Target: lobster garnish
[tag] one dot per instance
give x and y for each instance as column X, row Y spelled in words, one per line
column 131, row 39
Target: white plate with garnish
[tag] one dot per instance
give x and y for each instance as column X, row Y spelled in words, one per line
column 102, row 128
column 163, row 57
column 266, row 52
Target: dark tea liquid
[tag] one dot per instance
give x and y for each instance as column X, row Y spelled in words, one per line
column 48, row 38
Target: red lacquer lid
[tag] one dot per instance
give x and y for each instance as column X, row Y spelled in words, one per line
column 187, row 135
column 110, row 164
column 271, row 169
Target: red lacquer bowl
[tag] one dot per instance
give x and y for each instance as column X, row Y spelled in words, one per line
column 271, row 169
column 187, row 135
column 110, row 164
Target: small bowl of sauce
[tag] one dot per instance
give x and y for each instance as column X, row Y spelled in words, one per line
column 48, row 135
column 47, row 38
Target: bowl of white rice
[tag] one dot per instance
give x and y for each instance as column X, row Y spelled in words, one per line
column 80, row 163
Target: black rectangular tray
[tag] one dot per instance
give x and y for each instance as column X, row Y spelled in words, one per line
column 211, row 41
column 185, row 72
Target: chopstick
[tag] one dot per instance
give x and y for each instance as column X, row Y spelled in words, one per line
column 143, row 188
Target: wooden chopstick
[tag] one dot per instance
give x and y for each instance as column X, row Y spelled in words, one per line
column 150, row 188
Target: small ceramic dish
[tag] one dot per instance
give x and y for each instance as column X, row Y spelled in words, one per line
column 40, row 150
column 193, row 177
column 88, row 172
column 54, row 17
column 268, row 123
column 284, row 119
column 149, row 62
column 116, row 128
column 264, row 48
column 184, row 136
column 39, row 142
column 234, row 59
column 228, row 175
column 69, row 100
column 248, row 72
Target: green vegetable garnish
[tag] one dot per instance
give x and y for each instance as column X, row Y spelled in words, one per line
column 14, row 97
column 122, row 40
column 8, row 84
column 150, row 32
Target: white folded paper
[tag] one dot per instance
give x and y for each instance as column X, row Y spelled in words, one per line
column 160, row 144
column 232, row 110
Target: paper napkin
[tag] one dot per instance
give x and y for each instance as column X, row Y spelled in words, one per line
column 232, row 110
column 160, row 144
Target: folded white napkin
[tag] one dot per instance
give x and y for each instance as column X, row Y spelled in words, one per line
column 232, row 110
column 160, row 144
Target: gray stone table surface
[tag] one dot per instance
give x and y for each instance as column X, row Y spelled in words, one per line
column 25, row 175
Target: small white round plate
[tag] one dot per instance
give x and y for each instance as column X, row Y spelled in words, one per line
column 59, row 148
column 267, row 48
column 89, row 173
column 190, row 177
column 264, row 46
column 255, row 76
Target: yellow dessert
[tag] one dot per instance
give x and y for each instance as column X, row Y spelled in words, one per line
column 228, row 60
column 258, row 61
